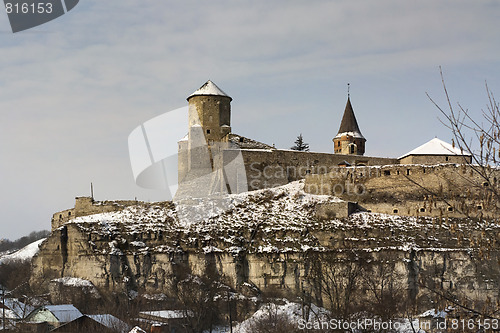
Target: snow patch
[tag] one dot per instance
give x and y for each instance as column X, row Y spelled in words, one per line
column 24, row 254
column 436, row 147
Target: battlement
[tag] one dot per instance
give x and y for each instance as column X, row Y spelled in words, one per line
column 275, row 167
column 453, row 190
column 88, row 206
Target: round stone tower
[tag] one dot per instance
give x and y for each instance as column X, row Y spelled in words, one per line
column 210, row 108
column 349, row 140
column 209, row 116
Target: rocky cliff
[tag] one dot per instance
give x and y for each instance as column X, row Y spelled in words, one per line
column 280, row 239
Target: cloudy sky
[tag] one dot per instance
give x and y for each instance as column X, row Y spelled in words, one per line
column 72, row 90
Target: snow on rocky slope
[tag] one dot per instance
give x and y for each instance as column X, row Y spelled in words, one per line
column 24, row 254
column 282, row 219
column 298, row 318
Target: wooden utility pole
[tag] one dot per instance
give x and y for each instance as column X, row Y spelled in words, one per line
column 92, row 191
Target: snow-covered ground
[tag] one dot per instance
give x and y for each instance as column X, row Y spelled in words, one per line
column 24, row 254
column 282, row 219
column 294, row 314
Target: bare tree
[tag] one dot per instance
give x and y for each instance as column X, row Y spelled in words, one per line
column 196, row 296
column 335, row 280
column 273, row 321
column 477, row 135
column 386, row 291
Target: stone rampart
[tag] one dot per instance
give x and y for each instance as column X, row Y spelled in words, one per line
column 415, row 190
column 87, row 206
column 267, row 168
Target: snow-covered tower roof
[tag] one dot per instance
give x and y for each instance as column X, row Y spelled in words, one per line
column 349, row 125
column 209, row 89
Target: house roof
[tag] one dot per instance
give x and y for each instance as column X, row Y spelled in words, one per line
column 18, row 308
column 435, row 147
column 349, row 125
column 9, row 314
column 64, row 312
column 209, row 89
column 111, row 322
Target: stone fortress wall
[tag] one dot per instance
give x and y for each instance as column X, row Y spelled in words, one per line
column 275, row 167
column 378, row 185
column 435, row 159
column 88, row 206
column 452, row 190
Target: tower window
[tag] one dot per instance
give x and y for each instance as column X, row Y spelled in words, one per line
column 446, row 158
column 208, row 131
column 387, row 172
column 450, row 208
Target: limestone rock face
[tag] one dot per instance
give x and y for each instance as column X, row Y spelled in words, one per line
column 72, row 290
column 281, row 239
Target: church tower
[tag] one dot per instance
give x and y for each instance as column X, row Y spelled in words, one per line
column 349, row 140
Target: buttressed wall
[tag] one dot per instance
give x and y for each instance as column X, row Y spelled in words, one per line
column 414, row 190
column 274, row 167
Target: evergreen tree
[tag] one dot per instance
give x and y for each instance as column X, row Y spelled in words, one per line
column 300, row 145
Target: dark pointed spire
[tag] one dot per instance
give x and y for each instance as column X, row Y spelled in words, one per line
column 349, row 123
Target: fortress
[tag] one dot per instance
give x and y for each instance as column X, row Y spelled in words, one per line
column 210, row 149
column 214, row 161
column 437, row 234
